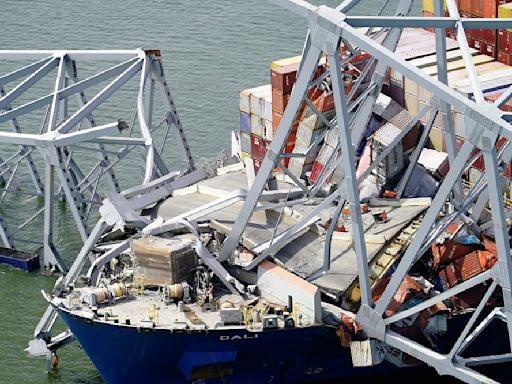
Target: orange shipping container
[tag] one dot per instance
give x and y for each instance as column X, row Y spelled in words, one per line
column 465, row 5
column 276, row 119
column 279, row 101
column 490, row 9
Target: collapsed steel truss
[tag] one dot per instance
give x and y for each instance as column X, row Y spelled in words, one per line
column 485, row 124
column 65, row 138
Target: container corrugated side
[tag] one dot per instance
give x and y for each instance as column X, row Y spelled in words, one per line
column 459, row 64
column 244, row 104
column 257, row 98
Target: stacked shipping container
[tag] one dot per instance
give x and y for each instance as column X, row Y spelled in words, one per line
column 493, row 76
column 488, row 42
column 504, row 35
column 262, row 108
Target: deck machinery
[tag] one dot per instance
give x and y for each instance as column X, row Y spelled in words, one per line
column 484, row 124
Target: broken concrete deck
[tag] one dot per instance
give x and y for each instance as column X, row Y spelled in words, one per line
column 304, row 255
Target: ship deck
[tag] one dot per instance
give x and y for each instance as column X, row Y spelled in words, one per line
column 305, row 254
column 138, row 309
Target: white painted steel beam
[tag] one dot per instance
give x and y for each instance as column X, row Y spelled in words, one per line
column 27, row 83
column 66, row 92
column 144, row 122
column 500, row 228
column 427, row 22
column 103, row 95
column 349, row 166
column 81, row 55
column 276, row 147
column 486, row 124
column 24, row 71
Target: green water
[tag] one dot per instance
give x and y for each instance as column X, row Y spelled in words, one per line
column 211, row 50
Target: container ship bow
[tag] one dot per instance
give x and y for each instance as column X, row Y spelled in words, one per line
column 359, row 227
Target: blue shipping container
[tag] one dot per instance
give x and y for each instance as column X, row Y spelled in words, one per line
column 245, row 122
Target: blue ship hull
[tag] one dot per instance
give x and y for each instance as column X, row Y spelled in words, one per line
column 126, row 354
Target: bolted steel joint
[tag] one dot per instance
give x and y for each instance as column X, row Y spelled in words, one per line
column 372, row 322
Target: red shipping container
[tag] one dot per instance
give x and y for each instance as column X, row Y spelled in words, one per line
column 316, row 171
column 290, row 145
column 283, row 78
column 477, row 44
column 490, row 8
column 505, row 58
column 479, row 162
column 477, row 34
column 471, row 41
column 259, row 147
column 466, row 14
column 507, row 107
column 488, row 49
column 489, row 36
column 324, row 103
column 504, row 40
column 257, row 165
column 450, row 251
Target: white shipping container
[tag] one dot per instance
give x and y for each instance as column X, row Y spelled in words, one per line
column 481, row 70
column 411, row 103
column 257, row 126
column 474, row 175
column 486, row 77
column 258, row 96
column 268, row 130
column 396, row 77
column 429, row 60
column 325, row 153
column 458, row 124
column 459, row 64
column 386, row 107
column 267, row 108
column 296, row 166
column 331, row 138
column 245, row 101
column 245, row 142
column 487, row 86
column 410, row 87
column 402, row 119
